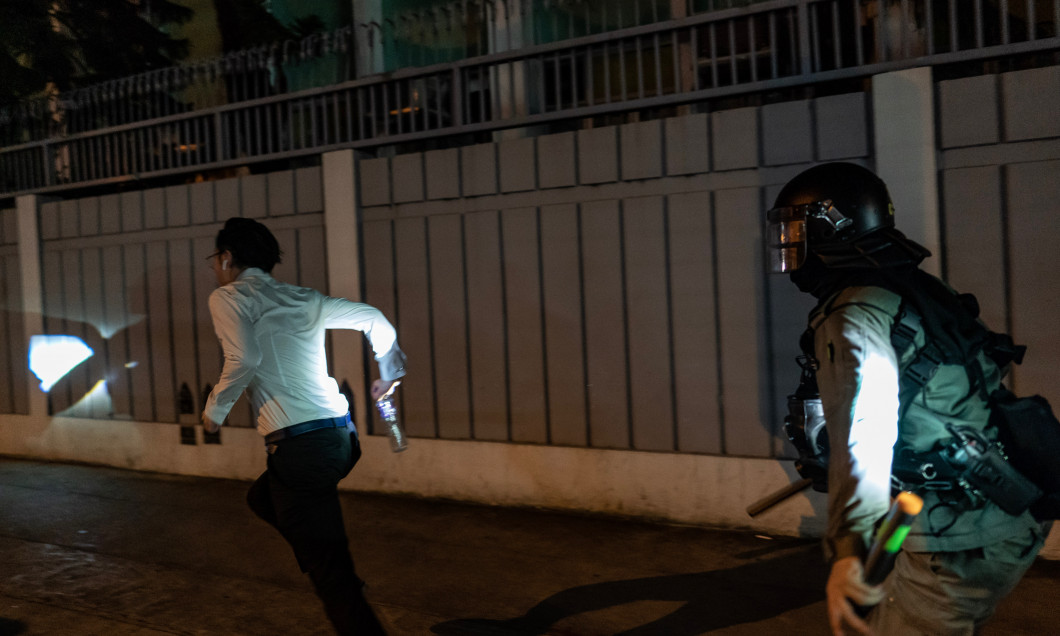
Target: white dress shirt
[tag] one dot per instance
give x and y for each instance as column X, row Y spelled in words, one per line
column 272, row 335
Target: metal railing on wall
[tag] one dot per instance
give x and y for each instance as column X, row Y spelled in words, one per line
column 773, row 44
column 444, row 32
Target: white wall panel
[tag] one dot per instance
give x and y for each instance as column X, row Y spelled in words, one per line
column 687, row 144
column 641, row 150
column 598, row 155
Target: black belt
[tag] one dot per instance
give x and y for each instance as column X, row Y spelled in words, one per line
column 343, row 421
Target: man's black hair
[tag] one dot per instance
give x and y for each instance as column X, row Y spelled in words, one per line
column 250, row 242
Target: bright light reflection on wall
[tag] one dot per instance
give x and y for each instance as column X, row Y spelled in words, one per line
column 52, row 357
column 96, row 401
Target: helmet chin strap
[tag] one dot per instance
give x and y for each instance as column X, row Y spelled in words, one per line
column 823, row 273
column 880, row 250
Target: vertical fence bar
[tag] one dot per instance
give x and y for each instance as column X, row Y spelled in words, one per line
column 590, row 77
column 83, row 159
column 121, row 151
column 147, row 151
column 556, row 80
column 184, row 143
column 1056, row 16
column 952, row 7
column 903, row 29
column 837, row 34
column 291, row 125
column 313, row 115
column 106, row 156
column 734, row 71
column 97, row 156
column 622, row 70
column 298, row 126
column 679, row 86
column 274, row 126
column 493, row 77
column 640, row 67
column 155, row 149
column 358, row 92
column 458, row 103
column 573, row 62
column 773, row 64
column 47, row 169
column 929, row 26
column 513, row 74
column 14, row 163
column 164, row 138
column 713, row 55
column 693, row 35
column 413, row 114
column 431, row 102
column 978, row 5
column 1031, row 21
column 1003, row 10
column 859, row 55
column 190, row 143
column 137, row 160
column 752, row 48
column 385, row 89
column 658, row 64
column 815, row 32
column 202, row 135
column 348, row 98
column 259, row 134
column 607, row 72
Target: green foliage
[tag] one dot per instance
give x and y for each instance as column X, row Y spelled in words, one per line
column 72, row 43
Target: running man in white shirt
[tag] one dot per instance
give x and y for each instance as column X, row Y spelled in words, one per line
column 272, row 335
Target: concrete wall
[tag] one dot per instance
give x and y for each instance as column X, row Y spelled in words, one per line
column 999, row 167
column 588, row 321
column 128, row 274
column 601, row 288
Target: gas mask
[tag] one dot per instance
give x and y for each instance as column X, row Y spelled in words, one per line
column 805, row 427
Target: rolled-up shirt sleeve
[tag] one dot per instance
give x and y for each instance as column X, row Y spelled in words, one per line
column 340, row 313
column 242, row 354
column 858, row 379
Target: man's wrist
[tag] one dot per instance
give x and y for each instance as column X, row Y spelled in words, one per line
column 392, row 364
column 843, row 546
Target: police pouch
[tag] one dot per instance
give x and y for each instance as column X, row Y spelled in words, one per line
column 986, row 470
column 1030, row 434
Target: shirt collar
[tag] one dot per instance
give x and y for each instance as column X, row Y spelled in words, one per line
column 251, row 271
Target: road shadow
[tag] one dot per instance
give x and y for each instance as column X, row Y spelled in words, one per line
column 9, row 627
column 716, row 599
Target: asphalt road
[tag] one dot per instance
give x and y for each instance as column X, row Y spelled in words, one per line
column 90, row 550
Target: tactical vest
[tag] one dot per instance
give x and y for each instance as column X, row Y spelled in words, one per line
column 946, row 442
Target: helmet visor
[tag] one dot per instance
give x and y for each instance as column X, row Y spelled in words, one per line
column 786, row 238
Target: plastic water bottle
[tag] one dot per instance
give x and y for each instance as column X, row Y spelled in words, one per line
column 388, row 413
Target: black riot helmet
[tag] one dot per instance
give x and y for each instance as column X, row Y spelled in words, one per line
column 842, row 214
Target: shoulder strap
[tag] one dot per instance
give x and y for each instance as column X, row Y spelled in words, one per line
column 924, row 364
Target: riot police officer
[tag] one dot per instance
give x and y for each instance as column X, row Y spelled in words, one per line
column 905, row 376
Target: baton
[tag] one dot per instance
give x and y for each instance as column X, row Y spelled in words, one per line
column 773, row 498
column 892, row 533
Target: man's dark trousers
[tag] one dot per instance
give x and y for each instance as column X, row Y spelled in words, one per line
column 298, row 495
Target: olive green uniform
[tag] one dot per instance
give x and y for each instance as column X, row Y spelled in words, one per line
column 956, row 564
